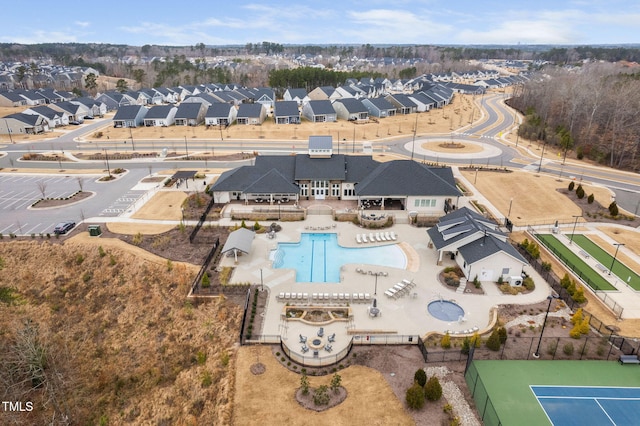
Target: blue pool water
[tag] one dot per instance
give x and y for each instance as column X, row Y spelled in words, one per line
column 445, row 310
column 318, row 257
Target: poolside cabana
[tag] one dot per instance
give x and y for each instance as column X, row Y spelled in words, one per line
column 239, row 241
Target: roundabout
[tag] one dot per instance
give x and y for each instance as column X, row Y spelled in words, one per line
column 453, row 149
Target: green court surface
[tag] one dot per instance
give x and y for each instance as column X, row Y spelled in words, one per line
column 620, row 270
column 501, row 389
column 582, row 269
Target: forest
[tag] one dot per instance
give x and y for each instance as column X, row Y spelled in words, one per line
column 591, row 111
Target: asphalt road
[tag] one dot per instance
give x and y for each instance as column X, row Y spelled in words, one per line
column 17, row 193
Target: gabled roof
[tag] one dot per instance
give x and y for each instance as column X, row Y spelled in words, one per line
column 320, row 142
column 381, row 103
column 239, row 240
column 332, row 168
column 272, row 182
column 127, row 112
column 45, row 111
column 488, row 246
column 30, row 119
column 249, row 110
column 69, row 107
column 403, row 100
column 218, row 110
column 406, row 177
column 322, row 107
column 297, row 93
column 286, row 109
column 188, row 110
column 353, row 105
column 160, row 111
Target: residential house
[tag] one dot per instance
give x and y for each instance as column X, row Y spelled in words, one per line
column 379, row 107
column 265, row 96
column 129, row 116
column 298, row 95
column 96, row 108
column 55, row 118
column 350, row 109
column 190, row 114
column 322, row 93
column 220, row 114
column 286, row 112
column 477, row 245
column 23, row 124
column 422, row 101
column 76, row 111
column 160, row 116
column 12, row 99
column 114, row 100
column 251, row 114
column 319, row 111
column 403, row 104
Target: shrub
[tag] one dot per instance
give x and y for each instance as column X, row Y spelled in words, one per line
column 101, row 251
column 546, row 266
column 321, row 395
column 256, row 226
column 433, row 390
column 466, row 346
column 201, row 357
column 304, row 384
column 137, row 239
column 584, row 326
column 591, row 198
column 493, row 342
column 336, row 381
column 579, row 296
column 500, row 280
column 580, row 153
column 572, row 185
column 206, row 282
column 529, row 284
column 502, row 333
column 577, row 317
column 207, row 380
column 445, row 342
column 475, row 340
column 565, row 281
column 415, row 397
column 613, row 209
column 575, row 332
column 580, row 192
column 420, row 377
column 79, row 259
column 568, row 349
column 243, row 225
column 552, row 347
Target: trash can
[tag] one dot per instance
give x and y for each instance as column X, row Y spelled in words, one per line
column 94, row 231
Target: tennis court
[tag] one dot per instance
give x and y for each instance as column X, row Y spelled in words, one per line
column 540, row 392
column 583, row 405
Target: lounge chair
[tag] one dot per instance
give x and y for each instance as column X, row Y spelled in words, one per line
column 371, row 237
column 382, row 237
column 314, row 296
column 281, row 296
column 390, row 293
column 305, row 296
column 393, row 236
column 387, row 236
column 299, row 296
column 334, row 296
column 326, row 296
column 367, row 296
column 341, row 296
column 361, row 296
column 358, row 239
column 364, row 238
column 287, row 296
column 378, row 237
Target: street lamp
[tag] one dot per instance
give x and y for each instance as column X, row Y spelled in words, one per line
column 476, row 178
column 553, row 295
column 413, row 144
column 106, row 157
column 574, row 229
column 510, row 204
column 615, row 255
column 133, row 146
column 541, row 157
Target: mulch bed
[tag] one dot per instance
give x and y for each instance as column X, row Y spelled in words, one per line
column 335, row 398
column 596, row 212
column 59, row 202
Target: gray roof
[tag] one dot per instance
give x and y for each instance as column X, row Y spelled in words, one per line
column 382, row 104
column 403, row 100
column 286, row 109
column 218, row 110
column 333, row 168
column 249, row 110
column 189, row 110
column 272, row 182
column 487, row 246
column 127, row 112
column 406, row 177
column 239, row 240
column 297, row 93
column 47, row 112
column 322, row 107
column 31, row 119
column 320, row 142
column 160, row 111
column 353, row 105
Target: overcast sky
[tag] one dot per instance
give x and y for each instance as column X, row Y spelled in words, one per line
column 220, row 22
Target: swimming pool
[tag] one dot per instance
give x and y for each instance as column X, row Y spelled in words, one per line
column 445, row 310
column 318, row 257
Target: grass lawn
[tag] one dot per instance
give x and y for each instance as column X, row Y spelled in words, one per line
column 507, row 385
column 619, row 269
column 573, row 261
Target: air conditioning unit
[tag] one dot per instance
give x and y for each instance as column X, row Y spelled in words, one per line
column 515, row 281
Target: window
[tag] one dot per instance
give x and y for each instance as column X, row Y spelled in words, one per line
column 349, row 192
column 505, row 271
column 304, row 189
column 425, row 202
column 335, row 190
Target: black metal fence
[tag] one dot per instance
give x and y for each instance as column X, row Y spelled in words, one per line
column 205, row 265
column 484, row 406
column 203, row 217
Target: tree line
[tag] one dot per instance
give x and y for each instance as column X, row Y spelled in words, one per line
column 591, row 111
column 310, row 77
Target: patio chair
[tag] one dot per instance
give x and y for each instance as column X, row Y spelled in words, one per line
column 332, row 338
column 328, row 347
column 321, row 332
column 304, row 349
column 303, row 339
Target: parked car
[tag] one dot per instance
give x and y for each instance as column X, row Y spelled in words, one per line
column 74, row 122
column 63, row 227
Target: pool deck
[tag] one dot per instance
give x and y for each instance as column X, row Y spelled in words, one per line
column 406, row 315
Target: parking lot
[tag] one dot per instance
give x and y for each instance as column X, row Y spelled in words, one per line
column 19, row 192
